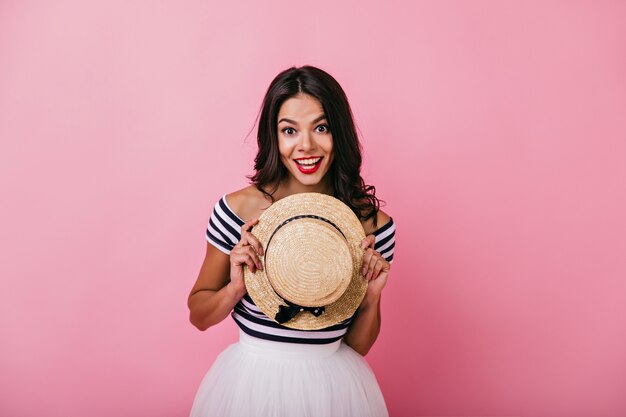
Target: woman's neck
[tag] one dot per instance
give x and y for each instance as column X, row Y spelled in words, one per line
column 289, row 186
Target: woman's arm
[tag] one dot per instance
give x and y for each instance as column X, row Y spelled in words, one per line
column 212, row 296
column 220, row 284
column 365, row 327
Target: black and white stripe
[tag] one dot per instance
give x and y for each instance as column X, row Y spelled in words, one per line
column 254, row 322
column 386, row 240
column 224, row 228
column 224, row 231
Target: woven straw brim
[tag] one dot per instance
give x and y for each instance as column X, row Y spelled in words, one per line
column 309, row 261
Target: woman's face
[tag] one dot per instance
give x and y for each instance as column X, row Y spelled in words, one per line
column 304, row 139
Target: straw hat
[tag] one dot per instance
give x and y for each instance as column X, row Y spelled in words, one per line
column 312, row 259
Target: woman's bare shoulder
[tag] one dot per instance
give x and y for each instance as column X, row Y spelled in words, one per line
column 382, row 219
column 248, row 203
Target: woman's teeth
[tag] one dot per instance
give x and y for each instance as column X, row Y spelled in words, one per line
column 308, row 163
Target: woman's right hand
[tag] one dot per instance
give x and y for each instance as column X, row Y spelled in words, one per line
column 245, row 252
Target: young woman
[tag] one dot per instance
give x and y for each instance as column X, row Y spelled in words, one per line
column 307, row 143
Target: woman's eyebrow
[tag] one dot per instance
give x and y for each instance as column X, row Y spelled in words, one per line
column 317, row 119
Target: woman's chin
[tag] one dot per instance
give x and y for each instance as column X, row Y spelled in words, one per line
column 303, row 180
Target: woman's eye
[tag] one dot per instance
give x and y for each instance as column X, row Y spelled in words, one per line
column 324, row 127
column 288, row 130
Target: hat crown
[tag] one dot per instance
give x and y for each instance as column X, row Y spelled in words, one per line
column 308, row 262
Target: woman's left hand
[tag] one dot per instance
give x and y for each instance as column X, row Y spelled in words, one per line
column 375, row 268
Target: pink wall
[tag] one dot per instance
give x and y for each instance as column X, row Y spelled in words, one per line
column 495, row 130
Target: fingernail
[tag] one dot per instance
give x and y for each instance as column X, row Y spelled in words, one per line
column 364, row 271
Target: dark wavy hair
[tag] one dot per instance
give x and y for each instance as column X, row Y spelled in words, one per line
column 345, row 169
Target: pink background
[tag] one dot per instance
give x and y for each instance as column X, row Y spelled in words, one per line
column 495, row 130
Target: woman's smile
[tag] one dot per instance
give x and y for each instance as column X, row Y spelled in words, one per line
column 308, row 165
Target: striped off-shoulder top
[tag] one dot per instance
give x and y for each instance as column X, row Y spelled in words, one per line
column 224, row 231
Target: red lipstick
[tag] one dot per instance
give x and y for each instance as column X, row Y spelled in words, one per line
column 312, row 169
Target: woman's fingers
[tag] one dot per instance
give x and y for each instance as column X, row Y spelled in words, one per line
column 254, row 257
column 253, row 242
column 248, row 225
column 247, row 238
column 247, row 255
column 374, row 260
column 367, row 261
column 373, row 264
column 368, row 242
column 248, row 249
column 251, row 264
column 375, row 270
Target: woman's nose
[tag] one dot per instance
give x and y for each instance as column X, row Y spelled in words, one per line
column 306, row 142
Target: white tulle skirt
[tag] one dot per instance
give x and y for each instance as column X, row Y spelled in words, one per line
column 262, row 378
